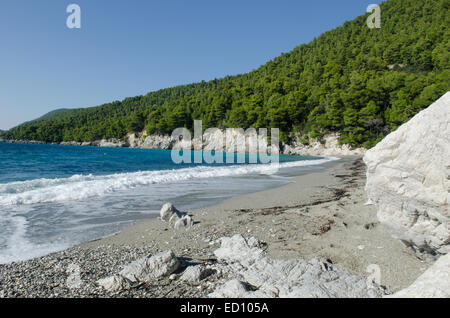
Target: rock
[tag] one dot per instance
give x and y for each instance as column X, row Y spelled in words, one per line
column 195, row 274
column 148, row 268
column 69, row 143
column 180, row 220
column 113, row 143
column 434, row 283
column 157, row 142
column 168, row 212
column 238, row 249
column 234, row 289
column 253, row 274
column 408, row 178
column 328, row 146
column 185, row 222
column 114, row 283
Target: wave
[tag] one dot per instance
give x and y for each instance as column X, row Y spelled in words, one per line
column 18, row 248
column 80, row 187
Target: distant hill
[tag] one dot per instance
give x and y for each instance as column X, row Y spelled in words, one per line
column 53, row 112
column 47, row 115
column 360, row 82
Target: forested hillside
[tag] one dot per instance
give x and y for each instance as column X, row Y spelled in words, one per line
column 354, row 80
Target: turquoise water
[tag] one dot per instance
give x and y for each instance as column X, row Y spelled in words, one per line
column 53, row 197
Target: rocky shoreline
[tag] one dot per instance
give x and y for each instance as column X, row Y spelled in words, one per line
column 327, row 146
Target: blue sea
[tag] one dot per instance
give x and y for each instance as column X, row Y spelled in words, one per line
column 53, row 197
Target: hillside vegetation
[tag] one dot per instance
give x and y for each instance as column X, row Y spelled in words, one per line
column 360, row 82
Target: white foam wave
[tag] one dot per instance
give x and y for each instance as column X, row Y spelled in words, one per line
column 19, row 248
column 79, row 187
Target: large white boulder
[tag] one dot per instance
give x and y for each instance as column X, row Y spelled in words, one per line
column 408, row 178
column 434, row 283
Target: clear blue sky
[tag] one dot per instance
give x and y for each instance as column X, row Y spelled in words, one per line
column 128, row 48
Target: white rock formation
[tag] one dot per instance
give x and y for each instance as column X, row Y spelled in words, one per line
column 148, row 268
column 244, row 271
column 434, row 283
column 195, row 274
column 180, row 220
column 408, row 178
column 168, row 212
column 252, row 274
column 112, row 143
column 328, row 146
column 233, row 139
column 157, row 142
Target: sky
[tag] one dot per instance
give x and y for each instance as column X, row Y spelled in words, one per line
column 131, row 47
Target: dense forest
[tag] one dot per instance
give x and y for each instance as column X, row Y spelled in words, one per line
column 360, row 82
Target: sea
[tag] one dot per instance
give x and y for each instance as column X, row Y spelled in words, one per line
column 53, row 197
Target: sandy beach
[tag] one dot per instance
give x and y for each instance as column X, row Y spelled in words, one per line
column 318, row 215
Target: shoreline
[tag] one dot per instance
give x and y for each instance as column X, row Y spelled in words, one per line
column 326, row 219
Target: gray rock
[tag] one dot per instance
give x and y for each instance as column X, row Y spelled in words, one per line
column 408, row 178
column 195, row 274
column 148, row 268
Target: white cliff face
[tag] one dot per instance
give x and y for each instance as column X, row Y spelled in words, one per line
column 233, row 140
column 408, row 178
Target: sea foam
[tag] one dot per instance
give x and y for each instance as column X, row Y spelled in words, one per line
column 80, row 187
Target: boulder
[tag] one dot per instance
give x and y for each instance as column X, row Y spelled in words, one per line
column 168, row 212
column 148, row 268
column 238, row 249
column 434, row 283
column 195, row 274
column 408, row 178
